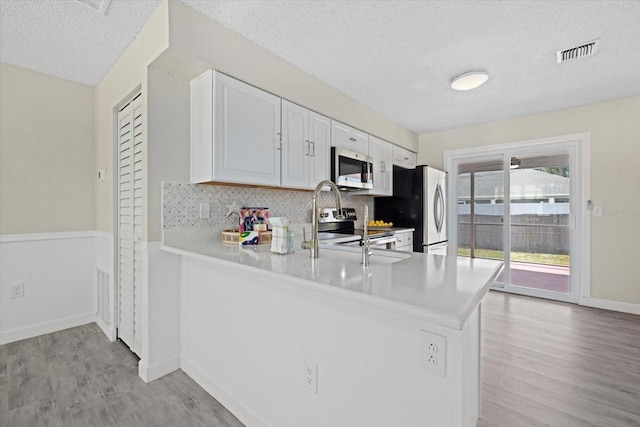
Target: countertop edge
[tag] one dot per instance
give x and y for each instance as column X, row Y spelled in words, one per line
column 456, row 322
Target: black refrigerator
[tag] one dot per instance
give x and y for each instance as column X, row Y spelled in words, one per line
column 418, row 201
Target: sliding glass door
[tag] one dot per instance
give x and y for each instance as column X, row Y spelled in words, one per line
column 517, row 206
column 540, row 219
column 480, row 195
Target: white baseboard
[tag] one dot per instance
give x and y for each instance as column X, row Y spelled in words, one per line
column 237, row 408
column 155, row 371
column 46, row 327
column 606, row 304
column 109, row 331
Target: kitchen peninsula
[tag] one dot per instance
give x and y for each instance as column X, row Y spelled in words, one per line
column 286, row 340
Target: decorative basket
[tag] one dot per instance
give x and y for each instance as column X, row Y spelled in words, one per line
column 232, row 237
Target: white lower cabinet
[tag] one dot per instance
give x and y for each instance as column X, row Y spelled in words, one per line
column 235, row 132
column 404, row 240
column 306, row 138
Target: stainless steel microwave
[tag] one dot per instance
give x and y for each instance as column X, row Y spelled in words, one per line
column 351, row 170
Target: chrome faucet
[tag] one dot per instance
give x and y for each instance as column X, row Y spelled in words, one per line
column 366, row 241
column 312, row 244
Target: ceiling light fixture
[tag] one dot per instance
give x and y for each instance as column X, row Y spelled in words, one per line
column 470, row 80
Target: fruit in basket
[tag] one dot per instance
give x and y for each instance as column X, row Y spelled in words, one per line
column 379, row 223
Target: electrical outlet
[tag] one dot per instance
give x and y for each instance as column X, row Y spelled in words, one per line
column 205, row 210
column 433, row 353
column 311, row 375
column 432, row 360
column 17, row 290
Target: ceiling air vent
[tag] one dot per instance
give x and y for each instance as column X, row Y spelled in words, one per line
column 96, row 5
column 586, row 49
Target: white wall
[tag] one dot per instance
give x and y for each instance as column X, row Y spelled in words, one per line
column 168, row 141
column 615, row 152
column 46, row 153
column 59, row 274
column 197, row 42
column 47, row 180
column 244, row 340
column 127, row 77
column 168, row 159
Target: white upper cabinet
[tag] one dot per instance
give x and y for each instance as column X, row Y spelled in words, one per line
column 296, row 147
column 403, row 157
column 381, row 153
column 305, row 146
column 235, row 132
column 345, row 136
column 385, row 164
column 320, row 138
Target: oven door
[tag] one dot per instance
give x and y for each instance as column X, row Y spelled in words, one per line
column 351, row 170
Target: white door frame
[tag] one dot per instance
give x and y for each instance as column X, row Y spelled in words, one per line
column 580, row 248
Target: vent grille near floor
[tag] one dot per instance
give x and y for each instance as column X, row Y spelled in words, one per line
column 103, row 311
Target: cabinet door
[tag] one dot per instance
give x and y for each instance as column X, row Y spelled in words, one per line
column 403, row 157
column 386, row 169
column 320, row 137
column 374, row 151
column 341, row 135
column 247, row 133
column 296, row 146
column 360, row 141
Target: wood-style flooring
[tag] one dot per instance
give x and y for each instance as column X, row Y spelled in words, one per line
column 76, row 377
column 547, row 363
column 544, row 363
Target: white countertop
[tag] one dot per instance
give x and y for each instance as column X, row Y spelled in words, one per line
column 438, row 289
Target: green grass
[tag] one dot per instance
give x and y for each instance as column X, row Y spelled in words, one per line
column 548, row 259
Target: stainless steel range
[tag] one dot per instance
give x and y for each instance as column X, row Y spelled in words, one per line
column 343, row 231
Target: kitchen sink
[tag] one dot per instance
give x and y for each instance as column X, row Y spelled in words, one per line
column 354, row 255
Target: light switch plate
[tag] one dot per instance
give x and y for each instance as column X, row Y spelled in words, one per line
column 205, row 210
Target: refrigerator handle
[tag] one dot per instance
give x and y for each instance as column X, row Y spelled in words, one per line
column 438, row 208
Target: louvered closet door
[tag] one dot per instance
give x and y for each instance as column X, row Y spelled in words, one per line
column 129, row 221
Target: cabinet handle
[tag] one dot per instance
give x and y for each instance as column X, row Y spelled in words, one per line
column 313, row 148
column 308, row 148
column 383, row 167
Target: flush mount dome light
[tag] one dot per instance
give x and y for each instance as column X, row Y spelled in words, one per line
column 470, row 80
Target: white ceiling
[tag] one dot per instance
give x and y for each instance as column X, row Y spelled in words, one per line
column 396, row 57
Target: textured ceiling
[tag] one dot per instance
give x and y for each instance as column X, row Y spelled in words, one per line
column 66, row 39
column 397, row 57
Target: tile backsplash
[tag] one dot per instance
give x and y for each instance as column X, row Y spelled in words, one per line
column 181, row 204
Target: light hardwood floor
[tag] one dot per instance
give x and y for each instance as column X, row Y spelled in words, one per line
column 548, row 363
column 76, row 377
column 544, row 364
